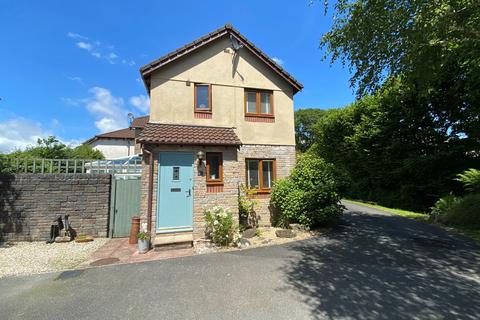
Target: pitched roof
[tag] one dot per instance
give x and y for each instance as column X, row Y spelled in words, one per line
column 125, row 134
column 147, row 69
column 140, row 122
column 188, row 135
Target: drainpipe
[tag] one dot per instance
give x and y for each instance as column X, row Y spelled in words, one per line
column 150, row 187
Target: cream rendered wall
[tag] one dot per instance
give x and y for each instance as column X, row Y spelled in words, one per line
column 172, row 99
column 114, row 148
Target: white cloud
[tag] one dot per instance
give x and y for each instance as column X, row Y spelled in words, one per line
column 278, row 60
column 99, row 49
column 76, row 36
column 70, row 101
column 131, row 63
column 107, row 109
column 141, row 102
column 76, row 79
column 18, row 133
column 84, row 45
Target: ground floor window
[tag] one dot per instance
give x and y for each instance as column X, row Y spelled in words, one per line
column 214, row 168
column 260, row 174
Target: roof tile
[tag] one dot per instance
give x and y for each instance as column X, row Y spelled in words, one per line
column 188, row 135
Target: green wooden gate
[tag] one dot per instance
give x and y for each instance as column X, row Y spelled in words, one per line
column 124, row 204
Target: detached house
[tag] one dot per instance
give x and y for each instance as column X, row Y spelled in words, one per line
column 221, row 115
column 118, row 143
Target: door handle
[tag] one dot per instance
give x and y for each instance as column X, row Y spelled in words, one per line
column 189, row 192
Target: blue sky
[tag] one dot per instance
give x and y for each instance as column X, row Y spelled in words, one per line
column 70, row 68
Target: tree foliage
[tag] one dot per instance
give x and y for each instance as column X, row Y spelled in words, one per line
column 420, row 39
column 393, row 148
column 305, row 119
column 416, row 124
column 52, row 148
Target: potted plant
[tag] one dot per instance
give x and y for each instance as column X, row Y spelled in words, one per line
column 143, row 241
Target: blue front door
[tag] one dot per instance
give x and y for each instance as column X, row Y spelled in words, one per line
column 175, row 192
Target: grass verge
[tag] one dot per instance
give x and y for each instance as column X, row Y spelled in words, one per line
column 471, row 233
column 404, row 213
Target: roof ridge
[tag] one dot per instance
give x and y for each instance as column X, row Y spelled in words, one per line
column 227, row 28
column 114, row 131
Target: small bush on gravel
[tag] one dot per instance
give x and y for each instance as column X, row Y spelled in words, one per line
column 310, row 195
column 246, row 208
column 220, row 226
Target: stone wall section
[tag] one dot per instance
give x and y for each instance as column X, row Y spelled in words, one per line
column 30, row 202
column 284, row 156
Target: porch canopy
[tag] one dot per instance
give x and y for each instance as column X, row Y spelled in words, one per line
column 156, row 133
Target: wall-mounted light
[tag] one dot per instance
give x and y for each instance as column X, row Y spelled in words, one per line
column 200, row 157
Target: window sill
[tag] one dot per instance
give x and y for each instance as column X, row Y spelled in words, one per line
column 214, row 183
column 203, row 111
column 259, row 115
column 262, row 191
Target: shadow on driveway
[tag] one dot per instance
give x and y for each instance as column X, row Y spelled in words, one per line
column 380, row 266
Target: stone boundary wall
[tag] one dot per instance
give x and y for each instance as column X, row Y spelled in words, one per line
column 30, row 202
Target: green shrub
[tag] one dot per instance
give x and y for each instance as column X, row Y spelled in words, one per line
column 220, row 226
column 442, row 207
column 470, row 179
column 464, row 212
column 309, row 196
column 246, row 208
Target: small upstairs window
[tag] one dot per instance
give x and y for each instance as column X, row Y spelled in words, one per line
column 203, row 97
column 258, row 103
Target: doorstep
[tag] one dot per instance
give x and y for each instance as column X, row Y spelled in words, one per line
column 173, row 240
column 119, row 248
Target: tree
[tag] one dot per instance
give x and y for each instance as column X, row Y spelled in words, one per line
column 85, row 151
column 52, row 148
column 416, row 68
column 432, row 46
column 305, row 119
column 392, row 148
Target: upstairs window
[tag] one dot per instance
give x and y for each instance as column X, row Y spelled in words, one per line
column 203, row 97
column 258, row 103
column 260, row 174
column 214, row 166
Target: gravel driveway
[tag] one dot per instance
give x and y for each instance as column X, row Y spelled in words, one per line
column 22, row 258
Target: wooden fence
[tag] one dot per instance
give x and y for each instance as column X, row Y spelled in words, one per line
column 124, row 167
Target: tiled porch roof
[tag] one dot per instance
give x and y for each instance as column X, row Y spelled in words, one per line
column 156, row 133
